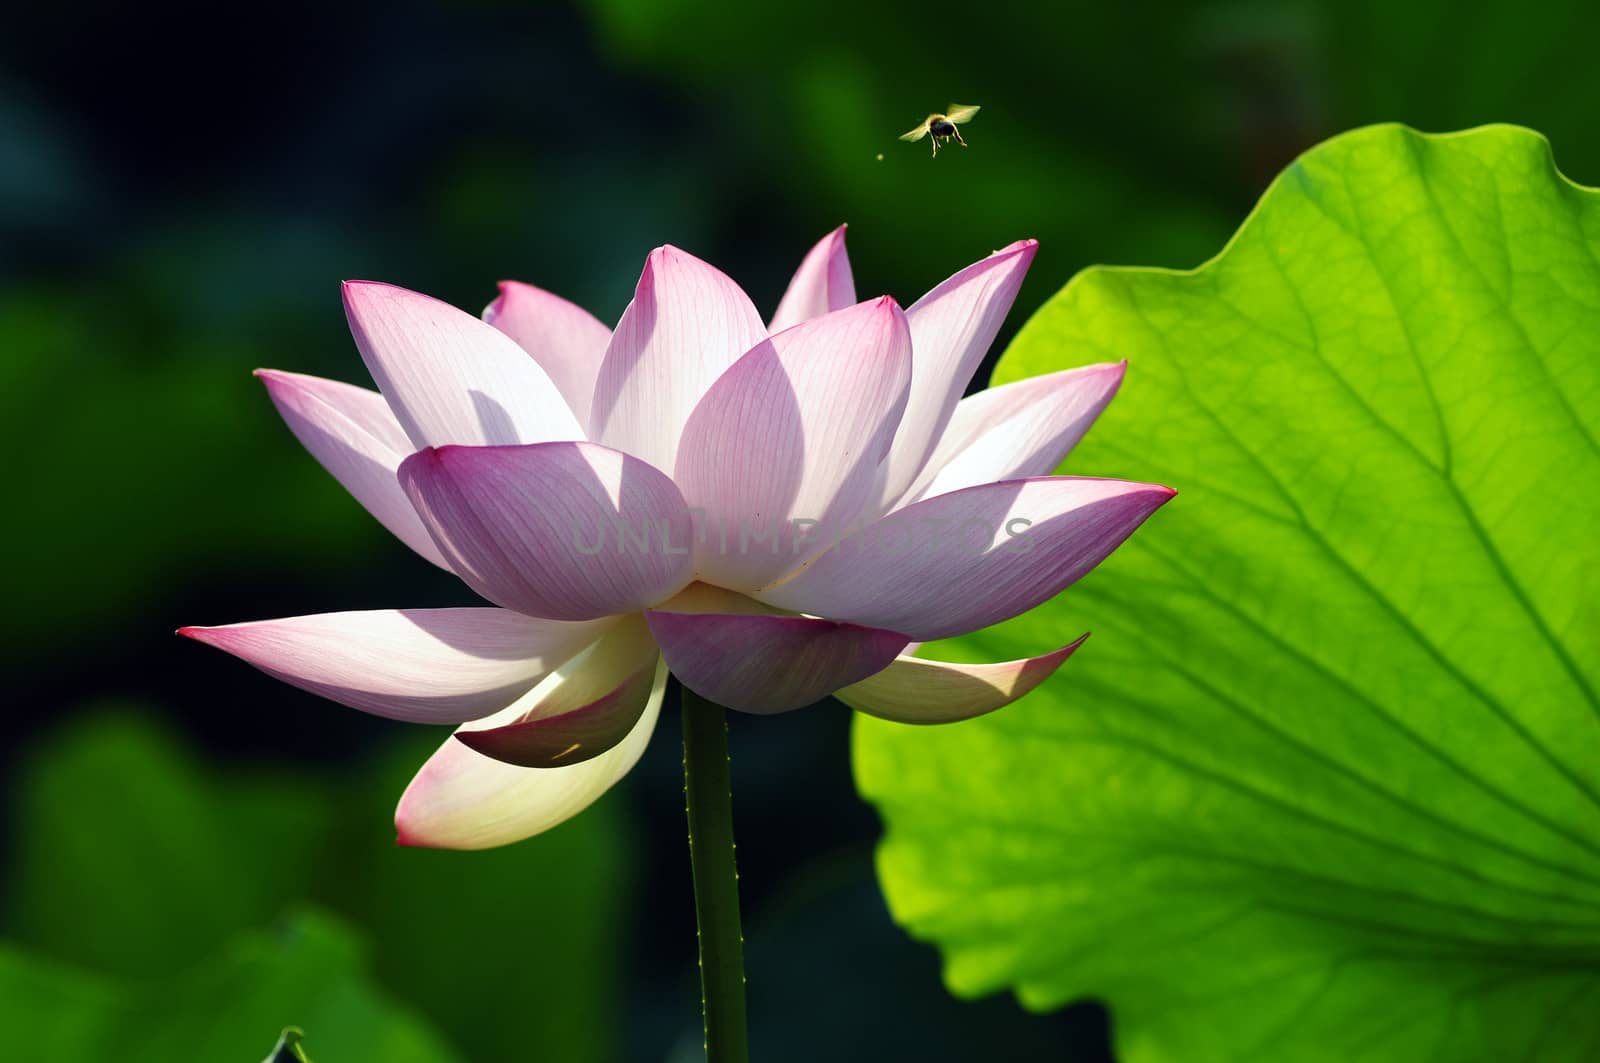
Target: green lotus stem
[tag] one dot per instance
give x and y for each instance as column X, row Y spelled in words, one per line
column 709, row 797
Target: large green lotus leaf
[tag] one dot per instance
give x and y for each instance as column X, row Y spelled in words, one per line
column 1326, row 782
column 230, row 1007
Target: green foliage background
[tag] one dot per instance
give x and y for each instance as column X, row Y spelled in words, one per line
column 176, row 205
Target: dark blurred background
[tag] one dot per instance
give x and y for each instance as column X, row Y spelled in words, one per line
column 182, row 186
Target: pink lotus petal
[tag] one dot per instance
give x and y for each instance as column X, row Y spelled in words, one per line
column 450, row 378
column 742, row 655
column 570, row 531
column 353, row 433
column 588, row 706
column 464, row 800
column 951, row 329
column 794, row 431
column 916, row 690
column 566, row 340
column 971, row 558
column 1017, row 430
column 822, row 284
column 420, row 665
column 687, row 324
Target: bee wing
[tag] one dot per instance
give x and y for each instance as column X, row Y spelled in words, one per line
column 961, row 112
column 918, row 133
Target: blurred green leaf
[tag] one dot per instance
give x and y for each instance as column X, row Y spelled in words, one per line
column 140, row 428
column 1326, row 783
column 543, row 922
column 134, row 859
column 310, row 971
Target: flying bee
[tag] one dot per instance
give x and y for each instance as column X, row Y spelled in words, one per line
column 943, row 126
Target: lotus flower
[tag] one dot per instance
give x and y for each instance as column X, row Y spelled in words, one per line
column 773, row 513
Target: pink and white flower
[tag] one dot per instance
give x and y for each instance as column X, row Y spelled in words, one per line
column 773, row 513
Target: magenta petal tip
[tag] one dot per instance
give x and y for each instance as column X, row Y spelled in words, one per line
column 407, row 841
column 433, row 456
column 666, row 253
column 276, row 380
column 497, row 305
column 350, row 290
column 272, row 378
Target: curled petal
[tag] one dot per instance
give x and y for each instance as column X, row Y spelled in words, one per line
column 951, row 329
column 916, row 690
column 571, row 531
column 581, row 710
column 462, row 799
column 449, row 377
column 355, row 436
column 952, row 564
column 419, row 665
column 822, row 284
column 791, row 438
column 687, row 323
column 1017, row 430
column 566, row 340
column 755, row 660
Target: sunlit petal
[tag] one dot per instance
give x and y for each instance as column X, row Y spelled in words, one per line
column 449, row 377
column 917, row 690
column 421, row 665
